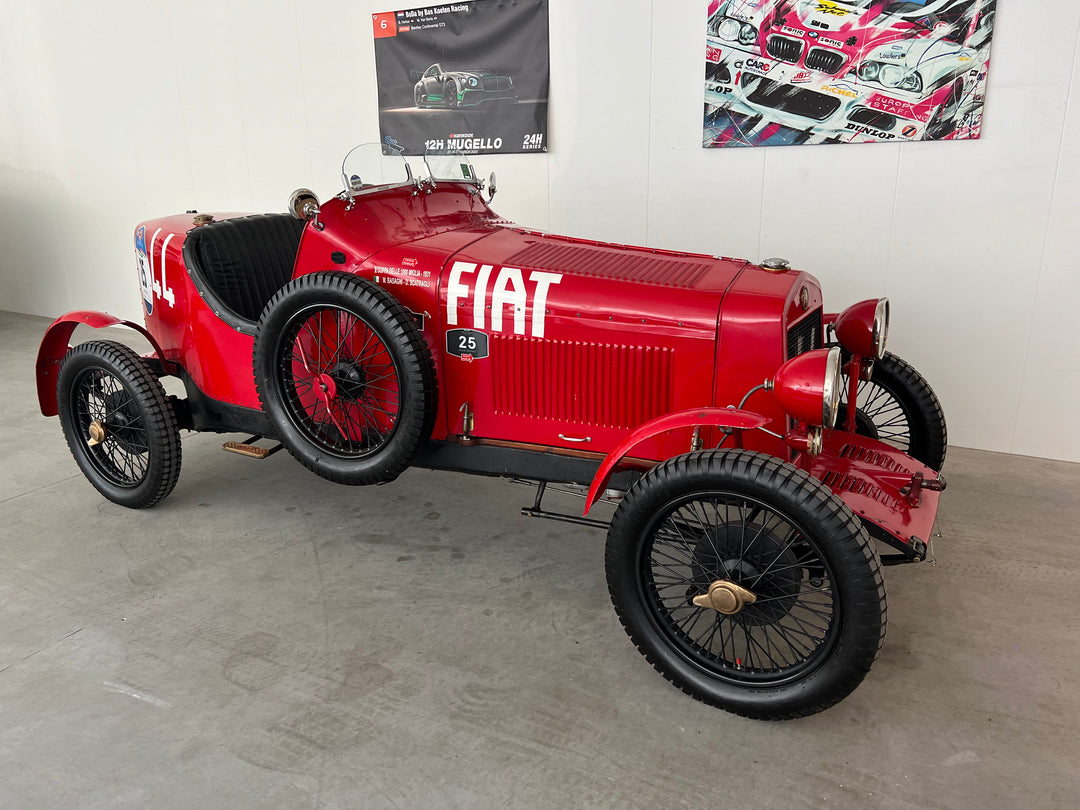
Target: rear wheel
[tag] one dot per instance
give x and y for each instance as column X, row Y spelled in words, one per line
column 897, row 406
column 746, row 583
column 118, row 423
column 346, row 377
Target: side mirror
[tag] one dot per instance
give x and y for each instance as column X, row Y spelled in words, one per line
column 491, row 187
column 303, row 204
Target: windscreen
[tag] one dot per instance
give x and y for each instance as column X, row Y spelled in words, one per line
column 370, row 165
column 450, row 166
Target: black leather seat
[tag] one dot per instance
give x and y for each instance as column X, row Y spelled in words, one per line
column 245, row 260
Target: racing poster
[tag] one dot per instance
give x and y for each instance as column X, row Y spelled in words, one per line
column 782, row 72
column 467, row 76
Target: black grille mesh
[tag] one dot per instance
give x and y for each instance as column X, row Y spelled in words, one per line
column 873, row 118
column 719, row 73
column 824, row 60
column 798, row 101
column 805, row 335
column 784, row 49
column 495, row 83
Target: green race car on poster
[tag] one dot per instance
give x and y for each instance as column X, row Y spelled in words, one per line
column 454, row 86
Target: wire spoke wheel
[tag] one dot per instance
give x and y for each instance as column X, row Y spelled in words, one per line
column 346, row 377
column 718, row 536
column 898, row 407
column 746, row 583
column 341, row 384
column 123, row 456
column 118, row 423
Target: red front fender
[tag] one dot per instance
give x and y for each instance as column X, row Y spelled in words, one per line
column 695, row 417
column 54, row 346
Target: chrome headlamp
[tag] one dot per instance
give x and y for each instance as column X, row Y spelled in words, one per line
column 891, row 75
column 832, row 389
column 809, row 386
column 881, row 327
column 732, row 30
column 863, row 328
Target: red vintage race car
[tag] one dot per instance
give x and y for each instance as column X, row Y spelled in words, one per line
column 756, row 448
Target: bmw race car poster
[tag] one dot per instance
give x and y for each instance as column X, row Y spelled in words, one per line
column 781, row 72
column 470, row 76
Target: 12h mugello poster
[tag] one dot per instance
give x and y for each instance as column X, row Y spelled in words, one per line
column 467, row 76
column 782, row 72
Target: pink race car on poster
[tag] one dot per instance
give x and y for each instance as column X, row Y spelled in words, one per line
column 819, row 71
column 755, row 447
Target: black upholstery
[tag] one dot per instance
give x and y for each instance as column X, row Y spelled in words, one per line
column 245, row 260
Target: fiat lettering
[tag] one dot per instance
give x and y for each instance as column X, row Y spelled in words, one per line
column 509, row 289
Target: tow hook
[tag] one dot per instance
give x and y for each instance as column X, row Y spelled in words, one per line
column 919, row 482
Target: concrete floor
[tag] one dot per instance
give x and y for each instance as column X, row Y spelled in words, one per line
column 264, row 638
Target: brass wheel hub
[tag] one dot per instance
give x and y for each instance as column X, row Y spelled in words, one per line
column 97, row 433
column 725, row 597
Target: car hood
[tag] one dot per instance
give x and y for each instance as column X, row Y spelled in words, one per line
column 478, row 73
column 929, row 54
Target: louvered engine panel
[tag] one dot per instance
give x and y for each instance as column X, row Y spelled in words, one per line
column 625, row 264
column 584, row 383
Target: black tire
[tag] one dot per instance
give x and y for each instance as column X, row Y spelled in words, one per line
column 322, row 343
column 108, row 385
column 419, row 98
column 679, row 525
column 450, row 96
column 898, row 407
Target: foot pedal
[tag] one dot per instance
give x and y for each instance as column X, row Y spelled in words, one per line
column 250, row 449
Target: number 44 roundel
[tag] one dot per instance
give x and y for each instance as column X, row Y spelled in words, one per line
column 468, row 344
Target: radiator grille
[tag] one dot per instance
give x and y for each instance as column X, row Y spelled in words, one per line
column 794, row 100
column 784, row 48
column 805, row 335
column 824, row 60
column 718, row 73
column 585, row 383
column 496, row 83
column 667, row 271
column 873, row 118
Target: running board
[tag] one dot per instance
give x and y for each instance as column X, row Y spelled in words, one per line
column 250, row 449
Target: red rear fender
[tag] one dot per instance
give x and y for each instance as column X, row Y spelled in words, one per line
column 54, row 346
column 618, row 458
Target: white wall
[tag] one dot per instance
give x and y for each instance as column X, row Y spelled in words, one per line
column 114, row 112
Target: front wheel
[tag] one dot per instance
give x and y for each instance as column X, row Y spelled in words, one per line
column 118, row 423
column 746, row 583
column 897, row 406
column 450, row 96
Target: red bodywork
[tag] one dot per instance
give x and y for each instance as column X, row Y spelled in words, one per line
column 590, row 347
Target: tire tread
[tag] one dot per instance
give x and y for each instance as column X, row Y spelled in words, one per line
column 146, row 388
column 421, row 375
column 791, row 482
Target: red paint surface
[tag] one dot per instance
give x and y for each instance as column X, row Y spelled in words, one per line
column 591, row 346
